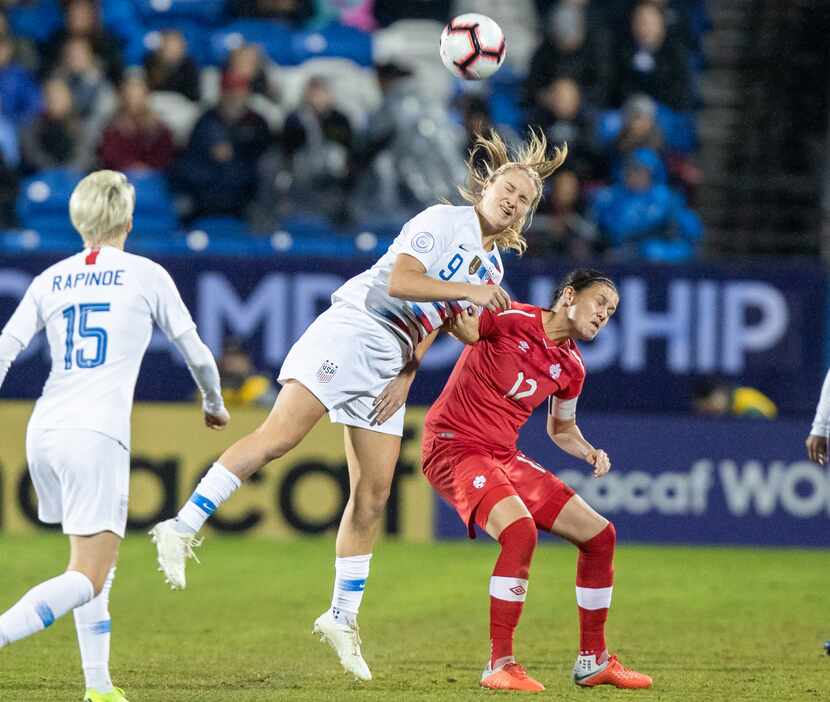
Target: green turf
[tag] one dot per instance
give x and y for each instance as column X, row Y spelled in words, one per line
column 708, row 624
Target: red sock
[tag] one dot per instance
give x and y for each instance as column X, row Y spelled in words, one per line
column 594, row 582
column 508, row 586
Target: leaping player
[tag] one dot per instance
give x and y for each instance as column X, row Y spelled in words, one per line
column 357, row 361
column 98, row 309
column 516, row 359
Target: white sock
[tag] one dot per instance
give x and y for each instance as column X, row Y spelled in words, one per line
column 216, row 487
column 93, row 624
column 45, row 603
column 351, row 573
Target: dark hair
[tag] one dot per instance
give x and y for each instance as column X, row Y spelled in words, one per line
column 581, row 278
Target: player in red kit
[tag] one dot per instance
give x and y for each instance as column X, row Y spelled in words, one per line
column 515, row 360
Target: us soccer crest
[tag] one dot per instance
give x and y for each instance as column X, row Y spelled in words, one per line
column 326, row 371
column 555, row 371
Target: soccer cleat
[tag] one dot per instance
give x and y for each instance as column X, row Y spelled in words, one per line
column 344, row 638
column 174, row 548
column 114, row 695
column 588, row 673
column 509, row 676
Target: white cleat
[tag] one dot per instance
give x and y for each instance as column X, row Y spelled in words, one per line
column 344, row 638
column 174, row 548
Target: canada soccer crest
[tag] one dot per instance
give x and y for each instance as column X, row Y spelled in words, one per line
column 555, row 371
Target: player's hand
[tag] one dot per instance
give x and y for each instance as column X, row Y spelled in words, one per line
column 393, row 396
column 464, row 326
column 817, row 449
column 217, row 420
column 493, row 297
column 600, row 461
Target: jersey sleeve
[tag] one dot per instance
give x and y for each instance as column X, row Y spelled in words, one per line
column 168, row 308
column 427, row 236
column 26, row 321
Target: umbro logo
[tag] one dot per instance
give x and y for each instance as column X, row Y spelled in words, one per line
column 524, row 346
column 518, row 590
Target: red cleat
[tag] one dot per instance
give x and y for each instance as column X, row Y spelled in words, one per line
column 510, row 676
column 613, row 673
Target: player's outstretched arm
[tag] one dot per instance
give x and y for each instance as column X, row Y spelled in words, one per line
column 817, row 440
column 567, row 436
column 408, row 281
column 203, row 368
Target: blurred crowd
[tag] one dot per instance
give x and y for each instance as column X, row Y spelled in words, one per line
column 255, row 115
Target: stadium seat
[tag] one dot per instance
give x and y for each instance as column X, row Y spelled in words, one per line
column 221, row 227
column 154, row 211
column 36, row 20
column 44, row 198
column 209, row 12
column 273, row 37
column 332, row 40
column 196, row 35
column 177, row 112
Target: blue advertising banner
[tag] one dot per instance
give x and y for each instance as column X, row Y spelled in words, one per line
column 691, row 480
column 756, row 325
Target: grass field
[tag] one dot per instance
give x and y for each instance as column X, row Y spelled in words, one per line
column 707, row 624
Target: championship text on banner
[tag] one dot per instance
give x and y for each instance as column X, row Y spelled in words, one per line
column 761, row 326
column 691, row 480
column 302, row 494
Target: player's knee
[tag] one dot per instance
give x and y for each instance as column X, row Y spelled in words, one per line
column 603, row 543
column 370, row 502
column 520, row 537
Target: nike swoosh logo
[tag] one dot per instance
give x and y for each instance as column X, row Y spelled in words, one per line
column 463, row 247
column 587, row 675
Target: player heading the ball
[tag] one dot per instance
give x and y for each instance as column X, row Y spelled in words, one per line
column 357, row 360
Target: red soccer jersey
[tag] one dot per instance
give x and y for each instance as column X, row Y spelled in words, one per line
column 498, row 381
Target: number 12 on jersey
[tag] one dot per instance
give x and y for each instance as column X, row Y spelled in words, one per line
column 515, row 393
column 85, row 331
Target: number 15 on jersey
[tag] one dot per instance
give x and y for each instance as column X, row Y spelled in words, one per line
column 80, row 313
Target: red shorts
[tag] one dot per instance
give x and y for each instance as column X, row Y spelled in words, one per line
column 463, row 474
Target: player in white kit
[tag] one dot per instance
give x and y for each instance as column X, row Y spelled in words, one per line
column 357, row 361
column 98, row 309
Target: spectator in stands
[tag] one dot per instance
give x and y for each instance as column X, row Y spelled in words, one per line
column 390, row 11
column 24, row 51
column 81, row 20
column 568, row 49
column 92, row 94
column 644, row 216
column 717, row 398
column 219, row 167
column 352, row 13
column 169, row 68
column 135, row 139
column 241, row 384
column 296, row 12
column 649, row 63
column 560, row 229
column 317, row 140
column 557, row 111
column 19, row 93
column 248, row 62
column 56, row 138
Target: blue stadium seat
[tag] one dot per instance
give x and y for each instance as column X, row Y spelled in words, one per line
column 210, row 12
column 221, row 227
column 154, row 211
column 36, row 20
column 273, row 37
column 196, row 35
column 333, row 40
column 43, row 201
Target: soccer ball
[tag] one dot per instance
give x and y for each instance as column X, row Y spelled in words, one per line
column 472, row 46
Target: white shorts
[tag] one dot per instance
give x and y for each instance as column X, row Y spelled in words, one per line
column 82, row 479
column 346, row 359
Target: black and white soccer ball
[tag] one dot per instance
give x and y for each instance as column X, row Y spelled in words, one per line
column 472, row 46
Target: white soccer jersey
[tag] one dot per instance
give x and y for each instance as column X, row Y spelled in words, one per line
column 98, row 308
column 447, row 240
